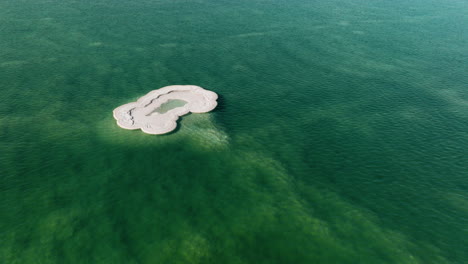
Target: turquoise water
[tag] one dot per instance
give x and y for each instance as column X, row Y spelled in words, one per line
column 340, row 137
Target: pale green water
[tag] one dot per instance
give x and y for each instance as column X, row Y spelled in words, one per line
column 169, row 105
column 341, row 133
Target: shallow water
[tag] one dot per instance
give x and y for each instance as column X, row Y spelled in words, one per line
column 169, row 105
column 340, row 137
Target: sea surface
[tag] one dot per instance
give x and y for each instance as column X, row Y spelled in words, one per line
column 341, row 134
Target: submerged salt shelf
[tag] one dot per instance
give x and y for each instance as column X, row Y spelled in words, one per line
column 149, row 115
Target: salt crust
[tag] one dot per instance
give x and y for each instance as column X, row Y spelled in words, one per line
column 141, row 114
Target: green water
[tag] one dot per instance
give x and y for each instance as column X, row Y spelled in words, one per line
column 169, row 105
column 341, row 134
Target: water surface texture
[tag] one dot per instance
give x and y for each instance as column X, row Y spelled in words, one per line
column 341, row 134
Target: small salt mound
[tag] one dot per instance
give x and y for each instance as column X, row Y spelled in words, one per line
column 149, row 115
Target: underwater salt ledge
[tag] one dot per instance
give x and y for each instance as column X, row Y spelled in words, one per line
column 143, row 114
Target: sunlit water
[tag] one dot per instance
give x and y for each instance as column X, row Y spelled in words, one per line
column 341, row 134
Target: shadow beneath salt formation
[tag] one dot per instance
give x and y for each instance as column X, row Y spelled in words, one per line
column 220, row 113
column 221, row 104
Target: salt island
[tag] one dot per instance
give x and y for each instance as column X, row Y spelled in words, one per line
column 157, row 112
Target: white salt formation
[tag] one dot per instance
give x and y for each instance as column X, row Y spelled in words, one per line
column 152, row 115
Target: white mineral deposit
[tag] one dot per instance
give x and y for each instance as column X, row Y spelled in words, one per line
column 148, row 115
